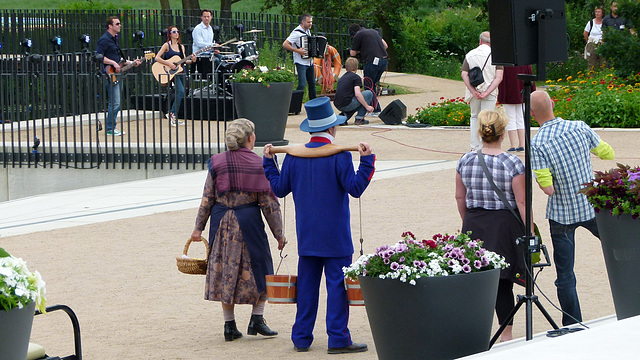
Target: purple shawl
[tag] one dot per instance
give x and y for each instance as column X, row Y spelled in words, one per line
column 239, row 170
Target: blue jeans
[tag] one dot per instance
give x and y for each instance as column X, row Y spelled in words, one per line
column 113, row 91
column 307, row 74
column 356, row 106
column 178, row 82
column 564, row 246
column 374, row 72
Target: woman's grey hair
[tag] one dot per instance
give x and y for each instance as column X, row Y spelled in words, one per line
column 238, row 132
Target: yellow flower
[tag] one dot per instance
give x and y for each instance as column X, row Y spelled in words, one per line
column 559, row 80
column 629, row 90
column 598, row 93
column 567, row 91
column 610, row 86
column 548, row 81
column 583, row 81
column 569, row 78
column 594, row 82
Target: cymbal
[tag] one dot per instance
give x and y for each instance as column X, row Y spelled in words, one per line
column 253, row 31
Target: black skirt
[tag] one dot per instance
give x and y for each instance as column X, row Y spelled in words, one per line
column 499, row 229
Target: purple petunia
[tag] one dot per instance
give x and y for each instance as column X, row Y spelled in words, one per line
column 477, row 264
column 394, row 266
column 465, row 261
column 386, row 261
column 484, row 260
column 466, row 268
column 401, row 259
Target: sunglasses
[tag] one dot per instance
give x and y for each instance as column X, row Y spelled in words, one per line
column 175, row 31
column 116, row 24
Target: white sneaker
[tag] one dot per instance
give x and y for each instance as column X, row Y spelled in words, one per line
column 115, row 132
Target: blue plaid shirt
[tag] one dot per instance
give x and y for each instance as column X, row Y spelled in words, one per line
column 480, row 194
column 564, row 148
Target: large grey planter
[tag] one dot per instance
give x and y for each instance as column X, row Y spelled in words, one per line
column 267, row 107
column 620, row 240
column 438, row 318
column 15, row 331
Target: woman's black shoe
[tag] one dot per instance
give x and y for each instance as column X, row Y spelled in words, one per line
column 231, row 331
column 257, row 325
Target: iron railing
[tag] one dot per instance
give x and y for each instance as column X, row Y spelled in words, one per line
column 53, row 100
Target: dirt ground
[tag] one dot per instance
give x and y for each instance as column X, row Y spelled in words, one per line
column 120, row 277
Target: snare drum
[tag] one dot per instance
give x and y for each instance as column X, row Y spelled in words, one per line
column 231, row 57
column 204, row 65
column 247, row 50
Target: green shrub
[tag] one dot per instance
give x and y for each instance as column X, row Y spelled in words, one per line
column 95, row 5
column 448, row 112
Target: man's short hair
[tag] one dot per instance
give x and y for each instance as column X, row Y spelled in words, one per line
column 206, row 10
column 353, row 29
column 110, row 20
column 304, row 17
column 351, row 64
column 485, row 37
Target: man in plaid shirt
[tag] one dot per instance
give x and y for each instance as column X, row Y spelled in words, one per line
column 561, row 161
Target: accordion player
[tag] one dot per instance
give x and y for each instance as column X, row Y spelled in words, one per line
column 315, row 46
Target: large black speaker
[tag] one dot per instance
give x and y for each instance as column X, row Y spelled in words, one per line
column 513, row 25
column 394, row 113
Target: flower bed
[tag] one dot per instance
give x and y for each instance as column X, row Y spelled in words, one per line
column 448, row 112
column 616, row 191
column 598, row 98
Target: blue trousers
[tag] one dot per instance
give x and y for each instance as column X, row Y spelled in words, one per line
column 113, row 107
column 309, row 275
column 178, row 82
column 307, row 75
column 564, row 254
column 356, row 106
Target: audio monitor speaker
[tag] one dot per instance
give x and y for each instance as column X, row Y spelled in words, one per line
column 514, row 31
column 394, row 113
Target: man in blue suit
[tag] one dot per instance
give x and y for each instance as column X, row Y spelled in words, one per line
column 321, row 187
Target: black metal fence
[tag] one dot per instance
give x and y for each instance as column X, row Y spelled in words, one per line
column 53, row 100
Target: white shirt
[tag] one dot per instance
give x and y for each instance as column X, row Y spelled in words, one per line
column 202, row 36
column 595, row 36
column 294, row 40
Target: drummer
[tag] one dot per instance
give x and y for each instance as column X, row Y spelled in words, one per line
column 203, row 36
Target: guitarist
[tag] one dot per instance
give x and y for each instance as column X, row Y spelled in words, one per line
column 113, row 56
column 173, row 47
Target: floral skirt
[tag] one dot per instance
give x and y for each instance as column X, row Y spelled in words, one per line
column 229, row 276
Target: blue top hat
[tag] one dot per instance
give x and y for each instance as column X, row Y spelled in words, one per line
column 320, row 115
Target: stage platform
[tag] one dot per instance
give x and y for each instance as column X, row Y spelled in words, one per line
column 606, row 338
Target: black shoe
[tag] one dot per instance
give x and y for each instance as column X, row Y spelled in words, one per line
column 257, row 325
column 231, row 331
column 353, row 348
column 301, row 349
column 362, row 121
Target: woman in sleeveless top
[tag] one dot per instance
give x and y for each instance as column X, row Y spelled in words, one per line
column 173, row 47
column 236, row 195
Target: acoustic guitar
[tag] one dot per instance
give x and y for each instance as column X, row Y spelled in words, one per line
column 164, row 74
column 111, row 71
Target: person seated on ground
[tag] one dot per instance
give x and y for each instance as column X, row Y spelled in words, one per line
column 349, row 97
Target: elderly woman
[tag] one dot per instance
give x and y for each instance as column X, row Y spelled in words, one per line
column 593, row 37
column 235, row 192
column 485, row 215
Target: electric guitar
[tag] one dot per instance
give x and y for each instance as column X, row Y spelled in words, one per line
column 164, row 74
column 111, row 71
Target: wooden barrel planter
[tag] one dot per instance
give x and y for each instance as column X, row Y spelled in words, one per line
column 354, row 293
column 281, row 289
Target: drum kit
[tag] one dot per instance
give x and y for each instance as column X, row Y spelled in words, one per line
column 229, row 62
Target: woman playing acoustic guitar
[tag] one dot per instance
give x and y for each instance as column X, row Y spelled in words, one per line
column 170, row 53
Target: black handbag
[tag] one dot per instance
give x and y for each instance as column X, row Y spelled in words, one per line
column 475, row 74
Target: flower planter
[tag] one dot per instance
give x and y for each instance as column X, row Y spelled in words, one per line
column 442, row 317
column 15, row 331
column 267, row 107
column 620, row 240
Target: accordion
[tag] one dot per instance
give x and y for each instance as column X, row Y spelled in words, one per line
column 315, row 46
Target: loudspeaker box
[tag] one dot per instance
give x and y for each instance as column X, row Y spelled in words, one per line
column 394, row 113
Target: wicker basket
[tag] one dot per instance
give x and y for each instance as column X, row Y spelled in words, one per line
column 193, row 266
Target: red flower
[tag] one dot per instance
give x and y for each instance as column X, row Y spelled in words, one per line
column 442, row 98
column 433, row 104
column 602, row 82
column 430, row 243
column 452, row 100
column 568, row 99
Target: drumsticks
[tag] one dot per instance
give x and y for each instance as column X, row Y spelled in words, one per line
column 305, row 152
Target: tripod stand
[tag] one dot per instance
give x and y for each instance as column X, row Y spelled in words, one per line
column 530, row 244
